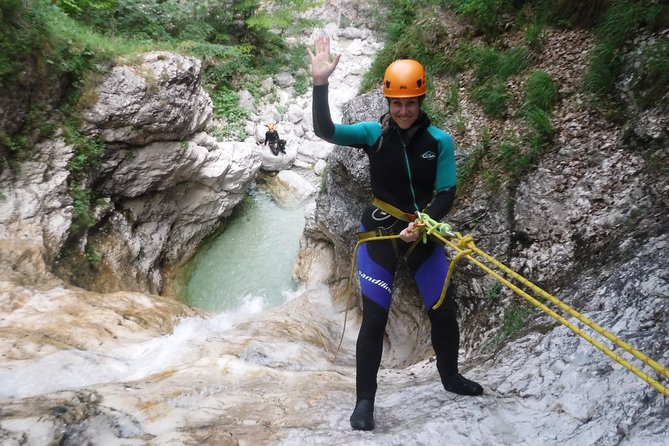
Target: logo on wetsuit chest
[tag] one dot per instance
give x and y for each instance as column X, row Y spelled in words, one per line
column 429, row 155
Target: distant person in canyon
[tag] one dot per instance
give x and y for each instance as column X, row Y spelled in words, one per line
column 276, row 144
column 412, row 168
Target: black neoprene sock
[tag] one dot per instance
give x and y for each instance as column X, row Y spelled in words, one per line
column 445, row 339
column 446, row 342
column 369, row 348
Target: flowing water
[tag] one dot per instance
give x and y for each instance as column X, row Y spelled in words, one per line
column 251, row 260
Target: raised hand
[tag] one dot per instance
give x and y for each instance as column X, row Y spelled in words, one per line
column 321, row 64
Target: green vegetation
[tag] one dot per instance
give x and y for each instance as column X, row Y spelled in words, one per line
column 422, row 30
column 92, row 254
column 535, row 36
column 323, row 184
column 515, row 319
column 492, row 98
column 511, row 157
column 492, row 67
column 483, row 15
column 468, row 171
column 37, row 51
column 540, row 93
column 494, row 292
column 87, row 153
column 57, row 49
column 46, row 44
column 653, row 82
column 619, row 23
column 226, row 106
column 540, row 96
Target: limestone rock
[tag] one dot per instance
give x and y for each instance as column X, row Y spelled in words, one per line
column 290, row 189
column 159, row 99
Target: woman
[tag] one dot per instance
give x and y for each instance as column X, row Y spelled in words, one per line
column 409, row 160
column 276, row 144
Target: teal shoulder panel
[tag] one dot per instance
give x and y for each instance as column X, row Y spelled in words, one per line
column 446, row 172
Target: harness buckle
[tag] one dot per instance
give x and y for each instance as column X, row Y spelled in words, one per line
column 382, row 232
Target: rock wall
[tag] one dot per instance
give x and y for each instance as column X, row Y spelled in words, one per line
column 162, row 184
column 593, row 201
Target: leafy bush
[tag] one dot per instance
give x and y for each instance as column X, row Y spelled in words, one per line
column 494, row 292
column 301, row 84
column 81, row 204
column 24, row 32
column 33, row 47
column 38, row 52
column 92, row 254
column 77, row 8
column 87, row 153
column 226, row 106
column 225, row 64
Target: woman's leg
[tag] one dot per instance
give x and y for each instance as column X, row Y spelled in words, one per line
column 376, row 269
column 430, row 267
column 368, row 353
column 369, row 348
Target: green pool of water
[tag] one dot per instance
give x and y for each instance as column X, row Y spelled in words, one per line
column 251, row 261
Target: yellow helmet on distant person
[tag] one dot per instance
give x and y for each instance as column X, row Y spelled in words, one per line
column 271, row 126
column 404, row 78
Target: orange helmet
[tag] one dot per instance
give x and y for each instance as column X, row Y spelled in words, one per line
column 404, row 78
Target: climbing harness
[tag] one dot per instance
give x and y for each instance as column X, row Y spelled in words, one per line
column 392, row 210
column 464, row 247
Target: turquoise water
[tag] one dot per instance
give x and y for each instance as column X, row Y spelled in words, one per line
column 251, row 261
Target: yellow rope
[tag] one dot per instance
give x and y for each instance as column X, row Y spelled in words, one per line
column 624, row 345
column 466, row 248
column 451, row 268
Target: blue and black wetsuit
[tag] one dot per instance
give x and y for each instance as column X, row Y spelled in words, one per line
column 412, row 170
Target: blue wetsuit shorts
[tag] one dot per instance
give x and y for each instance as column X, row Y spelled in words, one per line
column 377, row 261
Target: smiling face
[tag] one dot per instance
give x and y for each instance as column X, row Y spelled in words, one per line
column 404, row 111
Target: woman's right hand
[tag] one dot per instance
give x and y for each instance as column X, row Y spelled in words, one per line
column 321, row 65
column 411, row 233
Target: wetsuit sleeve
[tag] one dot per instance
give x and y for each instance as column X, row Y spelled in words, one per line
column 361, row 134
column 446, row 176
column 441, row 204
column 320, row 110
